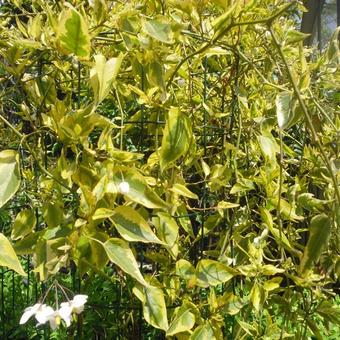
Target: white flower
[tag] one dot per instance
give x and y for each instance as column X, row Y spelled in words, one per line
column 40, row 311
column 257, row 241
column 79, row 301
column 74, row 306
column 123, row 188
column 54, row 319
column 65, row 312
column 29, row 312
column 231, row 261
column 44, row 314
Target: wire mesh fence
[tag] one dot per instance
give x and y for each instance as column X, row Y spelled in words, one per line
column 142, row 134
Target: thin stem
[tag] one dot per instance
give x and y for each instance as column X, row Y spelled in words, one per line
column 121, row 120
column 278, row 209
column 322, row 111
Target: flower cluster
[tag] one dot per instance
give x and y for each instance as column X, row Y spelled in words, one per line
column 44, row 313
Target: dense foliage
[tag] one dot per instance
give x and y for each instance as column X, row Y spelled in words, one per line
column 187, row 150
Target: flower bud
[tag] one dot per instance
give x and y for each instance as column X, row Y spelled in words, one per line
column 124, row 188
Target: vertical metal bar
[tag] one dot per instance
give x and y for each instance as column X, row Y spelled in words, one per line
column 204, row 193
column 78, row 84
column 13, row 296
column 141, row 255
column 319, row 25
column 3, row 323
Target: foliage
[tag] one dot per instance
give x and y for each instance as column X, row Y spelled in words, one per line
column 223, row 129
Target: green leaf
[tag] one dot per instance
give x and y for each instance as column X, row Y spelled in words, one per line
column 26, row 246
column 182, row 190
column 256, row 296
column 222, row 22
column 185, row 269
column 203, row 332
column 139, row 191
column 184, row 220
column 132, row 226
column 73, row 36
column 102, row 213
column 268, row 147
column 212, row 273
column 248, row 328
column 119, row 253
column 231, row 303
column 206, row 168
column 103, row 75
column 53, row 214
column 242, row 185
column 155, row 74
column 272, row 284
column 177, row 136
column 294, row 36
column 159, row 29
column 24, row 223
column 285, row 114
column 309, row 202
column 269, row 269
column 183, row 321
column 8, row 258
column 167, row 228
column 227, row 205
column 319, row 233
column 9, row 175
column 154, row 308
column 313, row 326
column 329, row 311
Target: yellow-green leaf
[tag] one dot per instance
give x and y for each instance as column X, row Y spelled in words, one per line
column 159, row 29
column 177, row 136
column 268, row 147
column 185, row 269
column 154, row 308
column 294, row 36
column 119, row 252
column 256, row 296
column 103, row 75
column 319, row 232
column 73, row 36
column 167, row 228
column 24, row 223
column 203, row 332
column 9, row 175
column 102, row 213
column 132, row 226
column 212, row 273
column 286, row 116
column 139, row 191
column 227, row 205
column 8, row 258
column 272, row 284
column 182, row 190
column 183, row 321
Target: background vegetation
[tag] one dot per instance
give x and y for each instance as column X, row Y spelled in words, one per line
column 226, row 130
